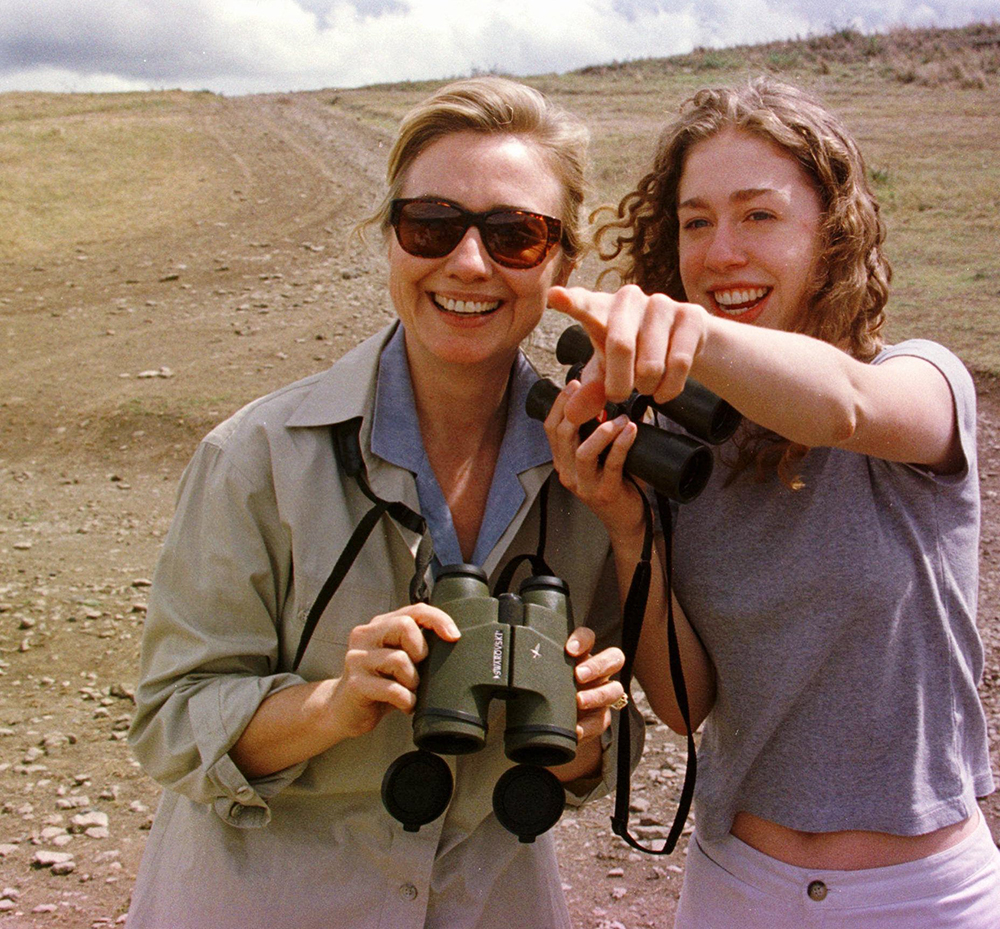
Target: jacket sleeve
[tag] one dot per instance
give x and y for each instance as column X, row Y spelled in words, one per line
column 211, row 641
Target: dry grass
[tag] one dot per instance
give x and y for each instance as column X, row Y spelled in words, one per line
column 84, row 168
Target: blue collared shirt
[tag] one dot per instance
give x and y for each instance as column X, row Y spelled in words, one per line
column 396, row 438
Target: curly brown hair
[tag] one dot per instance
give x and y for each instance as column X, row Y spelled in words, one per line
column 847, row 305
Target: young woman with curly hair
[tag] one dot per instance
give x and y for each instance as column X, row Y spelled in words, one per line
column 826, row 579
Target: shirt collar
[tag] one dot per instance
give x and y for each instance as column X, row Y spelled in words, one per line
column 396, row 438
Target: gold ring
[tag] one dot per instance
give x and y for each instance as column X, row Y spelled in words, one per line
column 620, row 703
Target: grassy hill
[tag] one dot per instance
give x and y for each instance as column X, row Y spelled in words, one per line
column 94, row 168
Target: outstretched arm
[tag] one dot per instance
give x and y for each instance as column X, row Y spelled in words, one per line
column 805, row 390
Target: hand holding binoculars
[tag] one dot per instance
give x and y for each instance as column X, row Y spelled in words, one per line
column 676, row 465
column 512, row 648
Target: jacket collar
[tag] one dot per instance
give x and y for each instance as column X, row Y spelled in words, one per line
column 347, row 389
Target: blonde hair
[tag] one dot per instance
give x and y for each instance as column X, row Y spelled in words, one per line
column 496, row 105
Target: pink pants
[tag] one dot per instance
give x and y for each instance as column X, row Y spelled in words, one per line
column 729, row 885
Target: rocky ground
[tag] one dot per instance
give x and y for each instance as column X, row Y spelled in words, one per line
column 117, row 358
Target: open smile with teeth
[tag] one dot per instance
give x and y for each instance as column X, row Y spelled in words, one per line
column 465, row 307
column 739, row 301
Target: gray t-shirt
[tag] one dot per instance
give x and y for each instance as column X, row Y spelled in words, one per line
column 841, row 620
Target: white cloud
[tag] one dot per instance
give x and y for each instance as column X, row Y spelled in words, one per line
column 239, row 46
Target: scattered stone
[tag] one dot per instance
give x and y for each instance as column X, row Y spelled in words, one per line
column 156, row 372
column 87, row 822
column 57, row 740
column 46, row 858
column 122, row 692
column 77, row 802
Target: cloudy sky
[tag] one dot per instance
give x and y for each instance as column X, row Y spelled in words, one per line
column 247, row 46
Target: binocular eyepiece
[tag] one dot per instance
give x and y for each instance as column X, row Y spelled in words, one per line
column 512, row 648
column 677, row 466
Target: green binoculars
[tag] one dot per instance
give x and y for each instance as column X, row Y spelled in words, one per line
column 512, row 648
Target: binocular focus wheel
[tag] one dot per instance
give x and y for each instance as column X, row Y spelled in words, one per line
column 528, row 800
column 416, row 788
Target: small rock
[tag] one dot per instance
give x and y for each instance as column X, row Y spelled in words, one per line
column 84, row 822
column 639, row 805
column 46, row 858
column 77, row 802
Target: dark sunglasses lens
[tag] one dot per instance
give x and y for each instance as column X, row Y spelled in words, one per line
column 517, row 240
column 429, row 230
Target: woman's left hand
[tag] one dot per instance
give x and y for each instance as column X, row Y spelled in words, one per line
column 596, row 691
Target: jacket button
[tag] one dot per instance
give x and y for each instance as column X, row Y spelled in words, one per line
column 408, row 892
column 817, row 891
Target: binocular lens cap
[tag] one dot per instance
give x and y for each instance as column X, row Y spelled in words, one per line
column 528, row 800
column 416, row 788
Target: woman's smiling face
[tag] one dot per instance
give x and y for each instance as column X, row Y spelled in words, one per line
column 465, row 308
column 750, row 221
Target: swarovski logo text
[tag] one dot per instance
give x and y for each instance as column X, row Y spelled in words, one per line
column 497, row 654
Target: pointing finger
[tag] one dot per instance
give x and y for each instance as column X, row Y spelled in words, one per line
column 586, row 307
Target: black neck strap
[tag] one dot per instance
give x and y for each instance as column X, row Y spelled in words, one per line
column 347, row 450
column 632, row 617
column 538, row 563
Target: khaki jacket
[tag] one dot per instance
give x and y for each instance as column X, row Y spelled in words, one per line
column 263, row 513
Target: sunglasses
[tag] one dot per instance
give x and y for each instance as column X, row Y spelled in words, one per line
column 433, row 228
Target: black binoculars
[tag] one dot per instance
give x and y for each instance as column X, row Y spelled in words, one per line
column 512, row 648
column 677, row 466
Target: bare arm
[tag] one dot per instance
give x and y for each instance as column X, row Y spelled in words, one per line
column 379, row 674
column 801, row 388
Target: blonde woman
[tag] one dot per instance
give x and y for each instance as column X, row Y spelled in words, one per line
column 272, row 754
